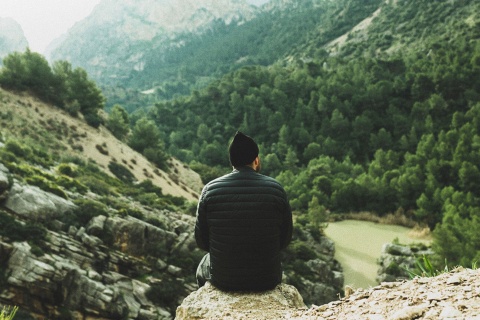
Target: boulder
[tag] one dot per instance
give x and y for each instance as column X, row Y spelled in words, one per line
column 4, row 181
column 32, row 203
column 138, row 238
column 209, row 302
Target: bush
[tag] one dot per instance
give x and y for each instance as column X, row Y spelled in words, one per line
column 17, row 149
column 86, row 210
column 71, row 184
column 166, row 293
column 46, row 185
column 16, row 231
column 93, row 119
column 96, row 185
column 121, row 172
column 300, row 250
column 68, row 169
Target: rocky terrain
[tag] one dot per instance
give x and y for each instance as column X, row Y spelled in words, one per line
column 452, row 295
column 70, row 250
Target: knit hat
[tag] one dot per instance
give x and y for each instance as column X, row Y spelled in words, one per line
column 242, row 150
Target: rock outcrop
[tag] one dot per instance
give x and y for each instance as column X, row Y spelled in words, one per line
column 106, row 269
column 452, row 295
column 397, row 260
column 209, row 302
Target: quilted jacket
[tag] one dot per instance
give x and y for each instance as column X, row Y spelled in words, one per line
column 244, row 220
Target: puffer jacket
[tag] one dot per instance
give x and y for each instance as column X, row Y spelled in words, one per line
column 244, row 220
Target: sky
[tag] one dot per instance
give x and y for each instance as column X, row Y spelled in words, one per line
column 43, row 21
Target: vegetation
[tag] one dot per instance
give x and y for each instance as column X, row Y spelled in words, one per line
column 8, row 313
column 68, row 88
column 357, row 132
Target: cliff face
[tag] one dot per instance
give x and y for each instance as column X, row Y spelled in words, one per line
column 99, row 271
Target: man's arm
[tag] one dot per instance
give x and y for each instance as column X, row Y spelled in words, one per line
column 287, row 227
column 201, row 226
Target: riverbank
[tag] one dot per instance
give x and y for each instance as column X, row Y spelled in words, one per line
column 358, row 246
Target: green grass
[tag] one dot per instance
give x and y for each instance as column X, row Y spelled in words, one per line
column 8, row 313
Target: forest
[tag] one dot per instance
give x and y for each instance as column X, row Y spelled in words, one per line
column 351, row 135
column 369, row 129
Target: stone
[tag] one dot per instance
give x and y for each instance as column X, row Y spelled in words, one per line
column 209, row 302
column 32, row 203
column 397, row 250
column 96, row 225
column 4, row 180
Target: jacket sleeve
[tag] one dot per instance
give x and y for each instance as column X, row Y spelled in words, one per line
column 201, row 225
column 287, row 226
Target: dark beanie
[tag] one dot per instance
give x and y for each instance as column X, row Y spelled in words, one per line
column 242, row 150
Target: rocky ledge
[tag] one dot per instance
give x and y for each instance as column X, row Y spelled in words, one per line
column 452, row 295
column 210, row 303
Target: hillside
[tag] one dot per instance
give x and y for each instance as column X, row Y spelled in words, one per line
column 28, row 119
column 90, row 229
column 132, row 53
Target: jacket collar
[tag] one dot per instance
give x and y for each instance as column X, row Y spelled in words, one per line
column 243, row 169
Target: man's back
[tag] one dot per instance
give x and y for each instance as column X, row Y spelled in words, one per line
column 244, row 220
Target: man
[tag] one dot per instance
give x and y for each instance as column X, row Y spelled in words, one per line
column 243, row 221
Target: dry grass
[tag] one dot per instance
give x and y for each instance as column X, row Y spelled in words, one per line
column 66, row 136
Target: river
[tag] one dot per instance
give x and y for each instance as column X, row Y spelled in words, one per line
column 358, row 245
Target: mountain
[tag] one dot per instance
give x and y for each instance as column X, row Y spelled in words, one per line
column 162, row 63
column 118, row 36
column 12, row 37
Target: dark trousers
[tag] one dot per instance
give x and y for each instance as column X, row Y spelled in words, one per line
column 203, row 271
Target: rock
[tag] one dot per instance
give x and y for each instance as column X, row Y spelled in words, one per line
column 96, row 225
column 4, row 180
column 32, row 203
column 420, row 298
column 210, row 303
column 396, row 250
column 396, row 259
column 139, row 238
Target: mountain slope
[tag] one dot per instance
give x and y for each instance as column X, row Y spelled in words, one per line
column 114, row 39
column 165, row 62
column 27, row 119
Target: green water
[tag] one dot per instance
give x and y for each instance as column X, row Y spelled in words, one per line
column 358, row 245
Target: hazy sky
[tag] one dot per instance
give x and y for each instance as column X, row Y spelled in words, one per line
column 45, row 20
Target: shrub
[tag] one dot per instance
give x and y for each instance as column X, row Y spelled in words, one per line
column 46, row 185
column 16, row 231
column 300, row 250
column 121, row 172
column 17, row 149
column 96, row 185
column 71, row 184
column 93, row 119
column 8, row 157
column 67, row 169
column 85, row 211
column 166, row 293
